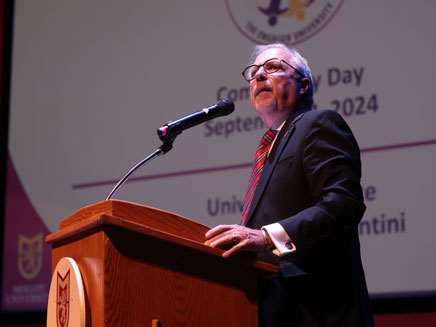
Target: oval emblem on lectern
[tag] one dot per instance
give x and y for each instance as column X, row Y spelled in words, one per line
column 66, row 299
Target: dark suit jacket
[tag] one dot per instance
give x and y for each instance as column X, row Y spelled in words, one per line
column 311, row 186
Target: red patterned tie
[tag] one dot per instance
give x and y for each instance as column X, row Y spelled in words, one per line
column 259, row 162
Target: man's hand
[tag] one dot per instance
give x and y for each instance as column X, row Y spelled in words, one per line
column 235, row 238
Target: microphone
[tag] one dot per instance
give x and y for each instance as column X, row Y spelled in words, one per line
column 170, row 130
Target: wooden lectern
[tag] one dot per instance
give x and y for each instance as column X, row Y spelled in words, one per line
column 147, row 267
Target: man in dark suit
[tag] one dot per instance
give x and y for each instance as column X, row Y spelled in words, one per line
column 303, row 204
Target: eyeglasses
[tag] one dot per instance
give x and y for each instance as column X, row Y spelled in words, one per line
column 270, row 66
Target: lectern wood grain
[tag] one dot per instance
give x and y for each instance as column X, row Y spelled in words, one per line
column 142, row 266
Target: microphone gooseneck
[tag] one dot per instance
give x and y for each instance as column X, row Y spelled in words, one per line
column 170, row 130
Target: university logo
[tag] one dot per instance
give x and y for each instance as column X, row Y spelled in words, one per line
column 66, row 298
column 286, row 21
column 29, row 256
column 63, row 299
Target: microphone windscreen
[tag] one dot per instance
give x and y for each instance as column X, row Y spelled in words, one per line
column 226, row 106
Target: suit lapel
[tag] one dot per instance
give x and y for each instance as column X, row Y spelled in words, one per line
column 282, row 139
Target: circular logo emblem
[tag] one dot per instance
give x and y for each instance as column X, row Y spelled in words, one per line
column 285, row 21
column 66, row 298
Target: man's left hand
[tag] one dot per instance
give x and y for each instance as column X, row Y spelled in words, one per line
column 235, row 238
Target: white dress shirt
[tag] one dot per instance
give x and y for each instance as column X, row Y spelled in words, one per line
column 281, row 240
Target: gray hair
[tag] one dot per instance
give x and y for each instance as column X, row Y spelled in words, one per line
column 297, row 60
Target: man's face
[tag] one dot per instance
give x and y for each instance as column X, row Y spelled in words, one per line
column 273, row 96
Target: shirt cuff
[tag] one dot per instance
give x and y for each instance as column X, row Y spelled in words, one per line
column 282, row 242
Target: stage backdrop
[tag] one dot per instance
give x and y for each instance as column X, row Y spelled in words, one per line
column 93, row 80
